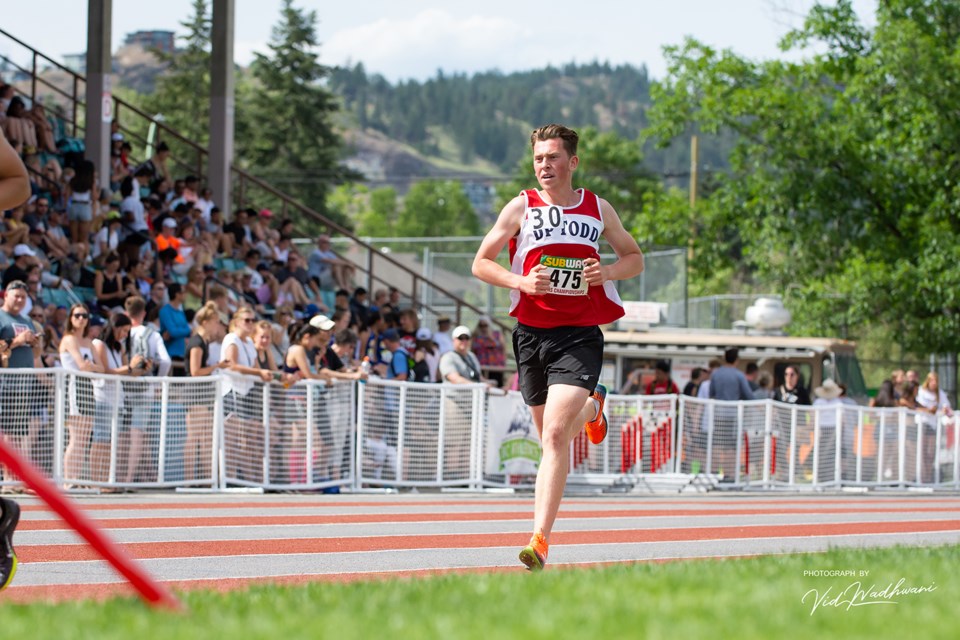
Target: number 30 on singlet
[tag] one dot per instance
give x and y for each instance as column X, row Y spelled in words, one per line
column 566, row 275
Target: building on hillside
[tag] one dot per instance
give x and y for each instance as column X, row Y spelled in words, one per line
column 153, row 40
column 76, row 62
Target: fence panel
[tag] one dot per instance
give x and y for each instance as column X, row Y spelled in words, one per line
column 418, row 434
column 95, row 430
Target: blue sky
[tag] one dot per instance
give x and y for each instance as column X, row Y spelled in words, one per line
column 413, row 39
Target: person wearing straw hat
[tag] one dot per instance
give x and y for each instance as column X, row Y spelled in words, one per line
column 826, row 400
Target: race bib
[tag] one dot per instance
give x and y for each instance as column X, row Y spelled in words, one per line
column 566, row 275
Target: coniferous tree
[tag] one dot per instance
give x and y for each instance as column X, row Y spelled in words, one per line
column 288, row 113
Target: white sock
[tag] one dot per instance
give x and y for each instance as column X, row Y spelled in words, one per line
column 596, row 408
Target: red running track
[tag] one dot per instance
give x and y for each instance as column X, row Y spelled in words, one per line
column 229, row 542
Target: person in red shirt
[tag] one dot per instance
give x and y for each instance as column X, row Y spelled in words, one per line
column 560, row 293
column 661, row 383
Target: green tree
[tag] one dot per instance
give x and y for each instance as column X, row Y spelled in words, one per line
column 285, row 114
column 182, row 95
column 437, row 208
column 843, row 182
column 375, row 211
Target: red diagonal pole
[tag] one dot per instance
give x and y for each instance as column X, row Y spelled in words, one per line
column 149, row 589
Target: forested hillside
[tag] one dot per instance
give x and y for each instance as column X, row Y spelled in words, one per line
column 489, row 115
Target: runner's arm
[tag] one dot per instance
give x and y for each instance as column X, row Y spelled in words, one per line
column 14, row 181
column 629, row 261
column 485, row 265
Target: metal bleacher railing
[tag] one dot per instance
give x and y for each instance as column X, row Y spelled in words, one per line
column 380, row 269
column 113, row 432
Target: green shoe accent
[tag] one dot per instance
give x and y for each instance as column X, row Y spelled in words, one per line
column 531, row 559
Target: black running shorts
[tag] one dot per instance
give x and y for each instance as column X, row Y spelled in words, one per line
column 561, row 355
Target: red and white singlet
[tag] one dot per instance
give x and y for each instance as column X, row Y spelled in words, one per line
column 561, row 238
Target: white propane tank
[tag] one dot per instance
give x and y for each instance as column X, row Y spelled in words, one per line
column 767, row 314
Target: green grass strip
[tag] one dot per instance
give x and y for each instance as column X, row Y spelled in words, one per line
column 765, row 597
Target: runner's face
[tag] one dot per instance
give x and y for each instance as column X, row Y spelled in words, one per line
column 552, row 164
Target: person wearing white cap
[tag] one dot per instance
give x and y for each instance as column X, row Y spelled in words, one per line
column 426, row 357
column 460, row 366
column 23, row 257
column 560, row 293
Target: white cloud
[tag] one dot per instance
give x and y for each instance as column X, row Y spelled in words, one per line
column 416, row 47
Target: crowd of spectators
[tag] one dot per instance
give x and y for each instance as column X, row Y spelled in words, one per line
column 162, row 237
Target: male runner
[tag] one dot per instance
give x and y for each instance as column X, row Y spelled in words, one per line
column 560, row 293
column 14, row 191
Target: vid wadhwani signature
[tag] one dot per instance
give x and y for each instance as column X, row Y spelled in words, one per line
column 856, row 595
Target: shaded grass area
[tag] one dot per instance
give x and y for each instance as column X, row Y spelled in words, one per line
column 737, row 598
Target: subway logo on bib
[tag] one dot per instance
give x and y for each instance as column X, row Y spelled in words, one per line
column 566, row 275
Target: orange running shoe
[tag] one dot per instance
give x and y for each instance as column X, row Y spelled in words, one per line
column 534, row 555
column 597, row 428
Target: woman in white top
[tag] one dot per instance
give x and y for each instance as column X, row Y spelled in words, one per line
column 77, row 354
column 933, row 403
column 243, row 427
column 108, row 394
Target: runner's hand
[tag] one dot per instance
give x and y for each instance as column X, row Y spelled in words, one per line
column 536, row 282
column 593, row 272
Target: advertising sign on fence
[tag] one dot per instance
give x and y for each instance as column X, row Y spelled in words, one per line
column 513, row 446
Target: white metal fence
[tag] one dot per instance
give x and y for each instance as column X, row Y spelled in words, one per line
column 112, row 432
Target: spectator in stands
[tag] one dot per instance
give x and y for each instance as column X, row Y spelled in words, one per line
column 155, row 169
column 442, row 336
column 397, row 365
column 77, row 355
column 110, row 286
column 136, row 232
column 174, row 328
column 703, row 391
column 461, row 366
column 15, row 229
column 59, row 242
column 633, row 385
column 827, row 401
column 490, row 348
column 729, row 384
column 426, row 359
column 241, row 240
column 241, row 429
column 896, row 378
column 17, row 339
column 282, row 249
column 80, row 194
column 764, row 389
column 303, row 288
column 886, row 398
column 107, row 239
column 358, row 306
column 661, row 383
column 409, row 323
column 145, row 341
column 158, row 298
column 23, row 257
column 693, row 385
column 792, row 391
column 750, row 372
column 199, row 440
column 142, row 282
column 193, row 291
column 331, row 271
column 19, row 126
column 932, row 403
column 109, row 395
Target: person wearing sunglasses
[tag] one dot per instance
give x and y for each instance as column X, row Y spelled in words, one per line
column 77, row 355
column 18, row 337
